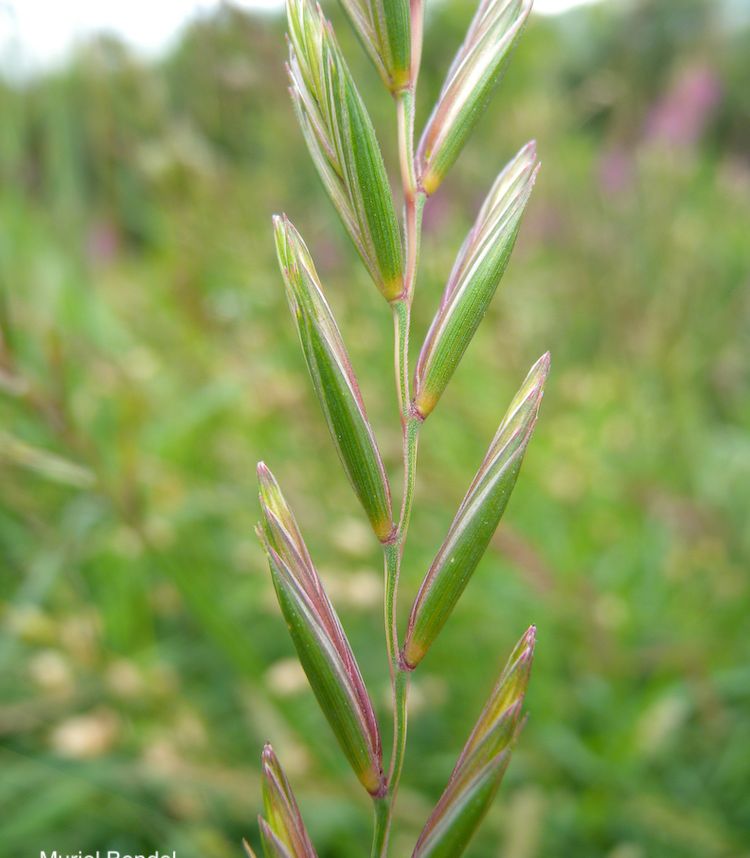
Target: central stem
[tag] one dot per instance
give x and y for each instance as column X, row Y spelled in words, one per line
column 393, row 555
column 413, row 207
column 414, row 197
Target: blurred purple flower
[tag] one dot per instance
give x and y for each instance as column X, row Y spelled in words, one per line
column 680, row 116
column 615, row 170
column 102, row 243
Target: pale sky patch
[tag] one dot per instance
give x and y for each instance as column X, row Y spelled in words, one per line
column 36, row 33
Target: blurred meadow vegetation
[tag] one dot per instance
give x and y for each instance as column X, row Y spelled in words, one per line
column 147, row 361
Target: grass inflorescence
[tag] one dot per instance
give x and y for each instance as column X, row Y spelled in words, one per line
column 344, row 147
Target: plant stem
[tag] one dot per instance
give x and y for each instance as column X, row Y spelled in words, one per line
column 399, row 677
column 405, row 118
column 414, row 197
column 411, row 445
column 413, row 207
column 382, row 827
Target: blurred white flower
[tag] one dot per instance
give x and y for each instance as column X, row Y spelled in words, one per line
column 85, row 736
column 286, row 677
column 51, row 670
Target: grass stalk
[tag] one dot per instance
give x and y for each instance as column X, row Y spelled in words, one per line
column 410, row 424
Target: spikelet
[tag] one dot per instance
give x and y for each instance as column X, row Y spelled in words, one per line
column 343, row 145
column 476, row 274
column 476, row 70
column 384, row 27
column 482, row 763
column 476, row 520
column 282, row 830
column 333, row 379
column 322, row 646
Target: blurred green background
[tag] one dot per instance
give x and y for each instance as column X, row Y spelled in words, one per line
column 147, row 361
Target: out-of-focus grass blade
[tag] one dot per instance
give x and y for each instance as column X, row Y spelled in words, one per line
column 482, row 763
column 476, row 519
column 333, row 379
column 322, row 646
column 343, row 145
column 476, row 274
column 248, row 849
column 476, row 69
column 46, row 464
column 384, row 26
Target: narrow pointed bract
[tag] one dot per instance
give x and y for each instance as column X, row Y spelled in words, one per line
column 282, row 814
column 482, row 763
column 272, row 844
column 343, row 145
column 333, row 379
column 322, row 646
column 478, row 269
column 476, row 520
column 384, row 26
column 457, row 817
column 248, row 849
column 474, row 73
